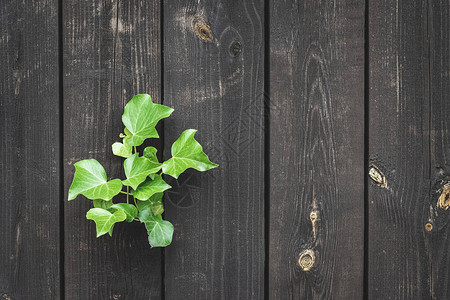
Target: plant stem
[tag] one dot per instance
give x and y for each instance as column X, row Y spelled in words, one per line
column 134, row 199
column 128, row 194
column 125, row 193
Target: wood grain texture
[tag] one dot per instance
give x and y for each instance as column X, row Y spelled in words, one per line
column 316, row 149
column 111, row 52
column 29, row 156
column 399, row 146
column 213, row 77
column 439, row 39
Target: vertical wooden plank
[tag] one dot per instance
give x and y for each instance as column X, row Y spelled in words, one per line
column 399, row 148
column 30, row 145
column 111, row 52
column 439, row 35
column 316, row 147
column 213, row 77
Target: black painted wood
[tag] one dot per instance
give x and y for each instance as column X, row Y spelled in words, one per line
column 213, row 77
column 112, row 51
column 399, row 148
column 439, row 215
column 29, row 151
column 316, row 150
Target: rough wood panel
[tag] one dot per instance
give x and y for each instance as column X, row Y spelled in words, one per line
column 111, row 52
column 29, row 156
column 316, row 150
column 439, row 35
column 399, row 150
column 213, row 77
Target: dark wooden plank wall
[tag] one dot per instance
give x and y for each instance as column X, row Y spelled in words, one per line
column 316, row 150
column 399, row 150
column 241, row 228
column 112, row 51
column 213, row 77
column 30, row 150
column 409, row 149
column 439, row 39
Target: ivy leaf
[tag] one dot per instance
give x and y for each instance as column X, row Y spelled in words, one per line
column 98, row 203
column 122, row 150
column 104, row 219
column 137, row 169
column 140, row 117
column 150, row 187
column 187, row 153
column 150, row 154
column 160, row 232
column 154, row 203
column 90, row 180
column 129, row 209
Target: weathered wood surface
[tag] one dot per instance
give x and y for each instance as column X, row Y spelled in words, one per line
column 439, row 66
column 111, row 52
column 213, row 76
column 30, row 151
column 408, row 145
column 316, row 150
column 299, row 183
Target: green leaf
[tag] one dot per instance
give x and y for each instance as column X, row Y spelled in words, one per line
column 98, row 203
column 123, row 150
column 150, row 154
column 140, row 117
column 104, row 219
column 160, row 232
column 154, row 203
column 111, row 230
column 137, row 169
column 187, row 153
column 129, row 209
column 150, row 187
column 90, row 180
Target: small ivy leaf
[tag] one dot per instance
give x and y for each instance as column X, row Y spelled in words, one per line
column 129, row 209
column 154, row 203
column 150, row 187
column 90, row 180
column 187, row 153
column 122, row 150
column 137, row 169
column 98, row 203
column 142, row 205
column 104, row 219
column 160, row 232
column 150, row 154
column 140, row 117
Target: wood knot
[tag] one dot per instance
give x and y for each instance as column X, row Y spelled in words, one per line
column 444, row 198
column 306, row 260
column 235, row 48
column 377, row 176
column 203, row 31
column 428, row 227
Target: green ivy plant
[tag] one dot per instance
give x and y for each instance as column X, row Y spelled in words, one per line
column 144, row 182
